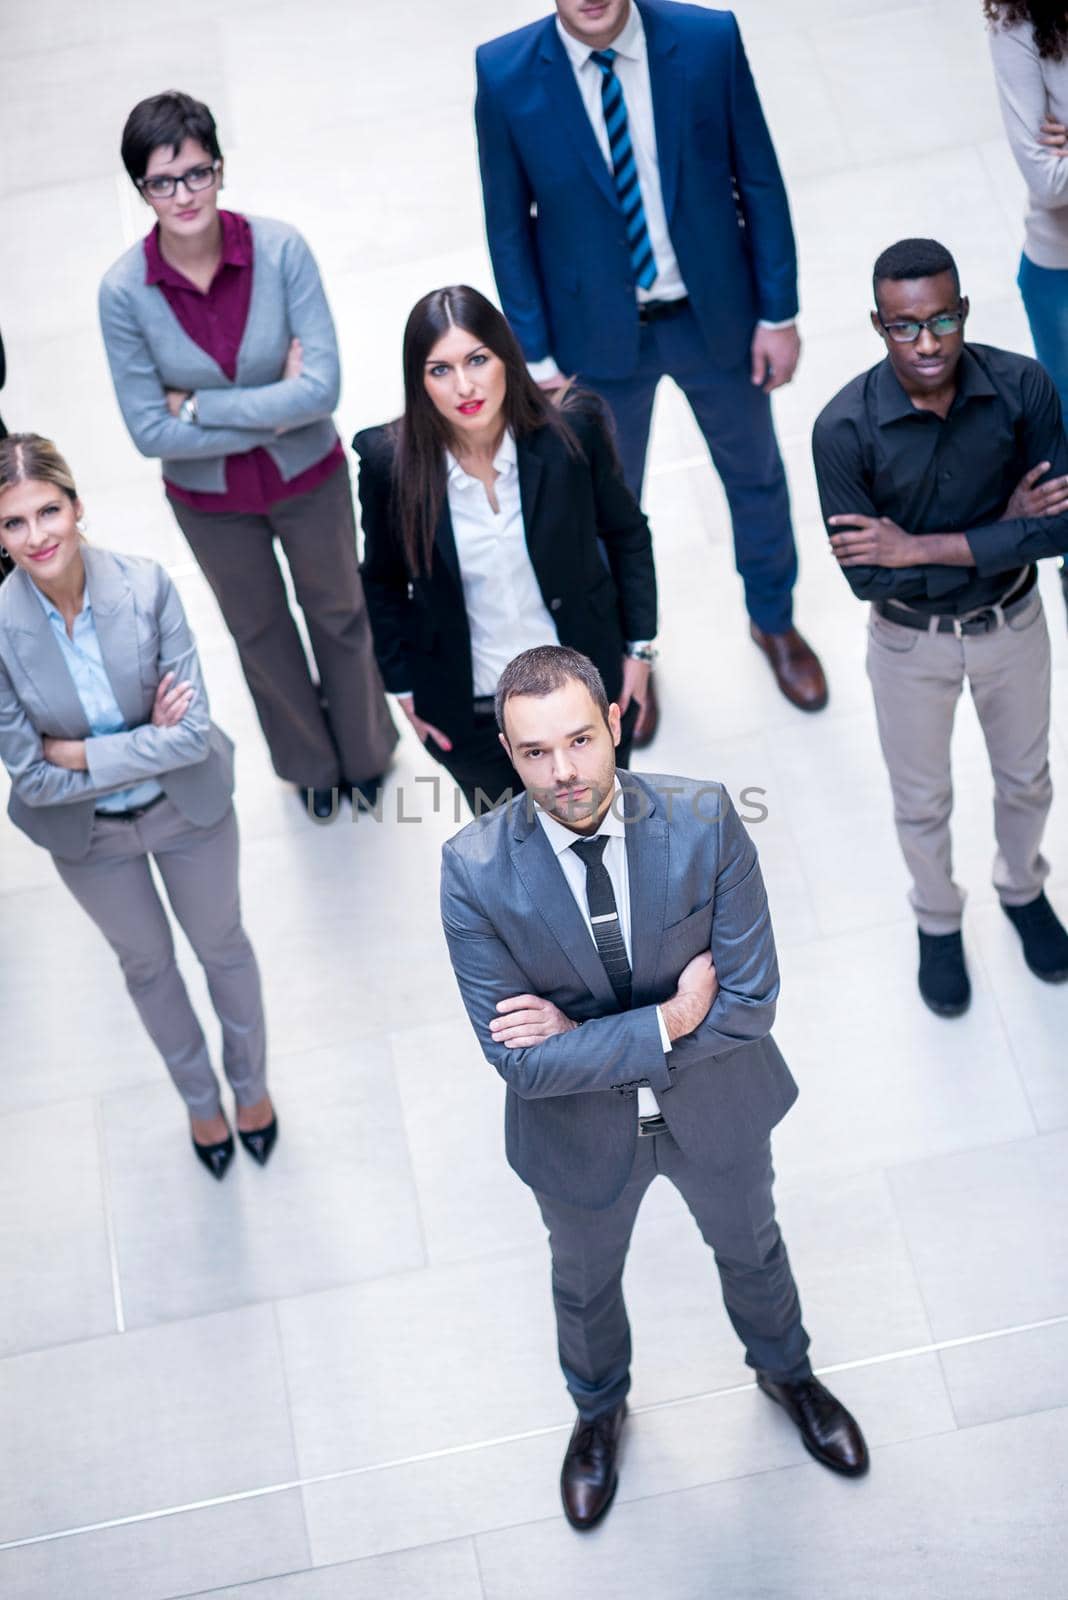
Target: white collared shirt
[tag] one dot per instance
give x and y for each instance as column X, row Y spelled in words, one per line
column 614, row 828
column 505, row 609
column 632, row 69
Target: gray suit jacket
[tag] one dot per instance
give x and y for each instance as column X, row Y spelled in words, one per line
column 143, row 634
column 148, row 351
column 513, row 927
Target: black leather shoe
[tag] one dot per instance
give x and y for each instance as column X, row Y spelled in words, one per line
column 260, row 1141
column 1045, row 941
column 827, row 1430
column 320, row 804
column 216, row 1157
column 943, row 978
column 366, row 792
column 588, row 1480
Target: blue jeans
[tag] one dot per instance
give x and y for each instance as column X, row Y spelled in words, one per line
column 1045, row 297
column 735, row 418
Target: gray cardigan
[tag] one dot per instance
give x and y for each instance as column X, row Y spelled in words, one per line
column 148, row 351
column 1028, row 88
column 143, row 634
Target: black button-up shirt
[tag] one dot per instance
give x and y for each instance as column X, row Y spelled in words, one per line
column 879, row 455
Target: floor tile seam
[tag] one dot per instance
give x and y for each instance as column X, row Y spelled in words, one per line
column 472, row 1447
column 344, row 1561
column 288, row 1402
column 109, row 1218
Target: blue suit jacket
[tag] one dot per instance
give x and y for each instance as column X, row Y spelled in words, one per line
column 554, row 224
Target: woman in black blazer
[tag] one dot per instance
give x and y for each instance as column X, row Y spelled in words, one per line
column 495, row 520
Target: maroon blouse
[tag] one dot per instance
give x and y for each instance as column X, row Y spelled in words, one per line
column 216, row 322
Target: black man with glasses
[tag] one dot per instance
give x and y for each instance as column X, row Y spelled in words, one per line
column 943, row 479
column 225, row 364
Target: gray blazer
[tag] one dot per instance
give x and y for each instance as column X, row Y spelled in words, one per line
column 513, row 927
column 148, row 351
column 143, row 634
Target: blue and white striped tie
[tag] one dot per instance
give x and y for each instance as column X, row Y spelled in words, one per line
column 625, row 171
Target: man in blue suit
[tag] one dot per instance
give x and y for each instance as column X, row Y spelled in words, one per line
column 639, row 227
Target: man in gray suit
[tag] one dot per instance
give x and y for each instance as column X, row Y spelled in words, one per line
column 614, row 952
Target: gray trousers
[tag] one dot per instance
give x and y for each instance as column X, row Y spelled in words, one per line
column 114, row 884
column 735, row 1212
column 317, row 531
column 917, row 680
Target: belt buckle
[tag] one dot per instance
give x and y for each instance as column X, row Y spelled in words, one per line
column 648, row 1126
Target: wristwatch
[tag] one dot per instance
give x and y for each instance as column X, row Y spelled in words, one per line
column 187, row 411
column 642, row 650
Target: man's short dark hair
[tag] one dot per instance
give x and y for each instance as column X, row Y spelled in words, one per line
column 166, row 119
column 913, row 258
column 545, row 669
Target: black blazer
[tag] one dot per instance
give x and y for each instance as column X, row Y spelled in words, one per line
column 569, row 502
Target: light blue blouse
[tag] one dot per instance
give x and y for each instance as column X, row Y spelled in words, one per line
column 86, row 666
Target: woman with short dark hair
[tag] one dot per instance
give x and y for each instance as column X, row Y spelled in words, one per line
column 495, row 520
column 225, row 363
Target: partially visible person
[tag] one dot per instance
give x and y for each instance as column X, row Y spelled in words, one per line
column 115, row 764
column 1029, row 47
column 6, row 565
column 485, row 509
column 639, row 228
column 225, row 363
column 943, row 478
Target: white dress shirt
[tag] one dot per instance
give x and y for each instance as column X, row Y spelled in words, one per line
column 632, row 69
column 614, row 829
column 505, row 609
column 85, row 663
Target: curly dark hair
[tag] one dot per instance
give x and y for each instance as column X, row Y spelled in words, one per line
column 1049, row 20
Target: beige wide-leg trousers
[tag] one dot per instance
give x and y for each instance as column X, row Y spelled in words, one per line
column 917, row 680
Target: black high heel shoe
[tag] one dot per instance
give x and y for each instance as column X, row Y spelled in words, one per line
column 259, row 1142
column 216, row 1157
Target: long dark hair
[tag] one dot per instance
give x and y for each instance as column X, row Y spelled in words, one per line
column 422, row 435
column 1049, row 20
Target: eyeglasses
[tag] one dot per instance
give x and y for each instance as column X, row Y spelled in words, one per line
column 942, row 326
column 164, row 186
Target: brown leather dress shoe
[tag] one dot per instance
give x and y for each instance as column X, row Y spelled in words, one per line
column 648, row 718
column 827, row 1430
column 588, row 1479
column 796, row 667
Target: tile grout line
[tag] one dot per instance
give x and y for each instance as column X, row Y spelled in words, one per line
column 450, row 1451
column 109, row 1220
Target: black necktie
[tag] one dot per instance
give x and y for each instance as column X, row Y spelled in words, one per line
column 604, row 914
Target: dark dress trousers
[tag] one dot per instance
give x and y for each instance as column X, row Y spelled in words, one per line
column 571, row 1119
column 575, row 506
column 562, row 262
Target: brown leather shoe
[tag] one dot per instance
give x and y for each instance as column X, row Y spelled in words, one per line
column 796, row 667
column 827, row 1430
column 648, row 717
column 589, row 1479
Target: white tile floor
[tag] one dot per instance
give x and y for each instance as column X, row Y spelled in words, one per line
column 336, row 1378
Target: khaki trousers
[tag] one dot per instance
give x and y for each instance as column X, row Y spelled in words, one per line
column 317, row 531
column 114, row 885
column 917, row 680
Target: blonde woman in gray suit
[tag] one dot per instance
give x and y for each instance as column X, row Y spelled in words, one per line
column 113, row 758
